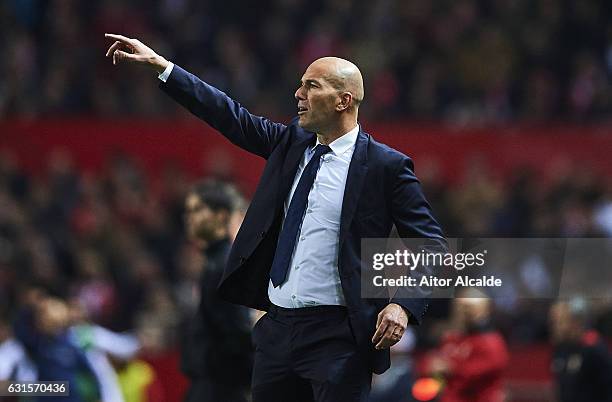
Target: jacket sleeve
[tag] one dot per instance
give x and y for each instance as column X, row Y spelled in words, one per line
column 413, row 218
column 254, row 134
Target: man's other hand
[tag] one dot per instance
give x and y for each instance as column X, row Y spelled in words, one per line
column 390, row 326
column 134, row 51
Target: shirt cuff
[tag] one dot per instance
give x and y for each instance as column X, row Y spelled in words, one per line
column 166, row 73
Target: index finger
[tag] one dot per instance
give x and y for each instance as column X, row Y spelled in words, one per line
column 119, row 38
column 112, row 48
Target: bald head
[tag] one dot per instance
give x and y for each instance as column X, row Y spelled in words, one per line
column 342, row 75
column 328, row 98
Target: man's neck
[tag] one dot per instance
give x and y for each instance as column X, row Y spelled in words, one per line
column 218, row 237
column 213, row 245
column 330, row 136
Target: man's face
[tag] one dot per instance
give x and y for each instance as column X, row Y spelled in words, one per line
column 471, row 310
column 317, row 99
column 52, row 316
column 201, row 221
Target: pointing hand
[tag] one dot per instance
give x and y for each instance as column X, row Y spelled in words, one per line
column 134, row 51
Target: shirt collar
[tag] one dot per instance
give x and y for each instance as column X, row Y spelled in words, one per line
column 344, row 142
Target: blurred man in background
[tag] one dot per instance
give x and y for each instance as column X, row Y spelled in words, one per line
column 43, row 328
column 581, row 362
column 217, row 353
column 473, row 356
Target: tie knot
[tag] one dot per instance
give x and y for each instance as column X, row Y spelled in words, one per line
column 321, row 149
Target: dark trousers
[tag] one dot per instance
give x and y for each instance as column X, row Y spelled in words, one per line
column 208, row 390
column 308, row 354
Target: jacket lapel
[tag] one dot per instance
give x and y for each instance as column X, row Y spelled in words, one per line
column 358, row 169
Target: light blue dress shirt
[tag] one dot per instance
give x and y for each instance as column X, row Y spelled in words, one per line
column 313, row 277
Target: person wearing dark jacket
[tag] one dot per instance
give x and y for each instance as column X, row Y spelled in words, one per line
column 43, row 330
column 581, row 364
column 216, row 353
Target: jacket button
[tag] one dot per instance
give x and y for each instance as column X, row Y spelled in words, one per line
column 263, row 234
column 242, row 260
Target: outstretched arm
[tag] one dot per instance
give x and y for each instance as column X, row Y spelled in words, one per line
column 252, row 133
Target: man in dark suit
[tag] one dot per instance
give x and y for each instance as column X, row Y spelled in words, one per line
column 326, row 186
column 581, row 364
column 216, row 352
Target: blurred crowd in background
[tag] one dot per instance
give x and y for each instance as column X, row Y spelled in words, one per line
column 116, row 241
column 464, row 61
column 113, row 244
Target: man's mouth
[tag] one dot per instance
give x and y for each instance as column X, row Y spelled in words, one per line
column 302, row 110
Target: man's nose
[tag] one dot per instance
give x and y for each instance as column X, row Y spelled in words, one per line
column 299, row 94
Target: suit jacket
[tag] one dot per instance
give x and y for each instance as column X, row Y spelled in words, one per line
column 381, row 190
column 217, row 345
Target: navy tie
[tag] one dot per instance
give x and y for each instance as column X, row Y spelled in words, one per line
column 293, row 219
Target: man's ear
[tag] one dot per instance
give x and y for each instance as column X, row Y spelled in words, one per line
column 345, row 101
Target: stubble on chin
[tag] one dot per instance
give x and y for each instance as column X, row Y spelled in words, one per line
column 305, row 125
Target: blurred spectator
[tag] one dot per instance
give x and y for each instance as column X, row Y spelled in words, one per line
column 15, row 365
column 581, row 362
column 139, row 382
column 94, row 289
column 99, row 344
column 468, row 61
column 42, row 327
column 217, row 352
column 603, row 214
column 472, row 356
